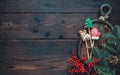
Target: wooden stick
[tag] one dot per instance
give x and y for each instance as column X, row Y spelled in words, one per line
column 90, row 38
column 91, row 43
column 92, row 48
column 87, row 48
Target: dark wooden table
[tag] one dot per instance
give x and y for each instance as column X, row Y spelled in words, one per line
column 37, row 36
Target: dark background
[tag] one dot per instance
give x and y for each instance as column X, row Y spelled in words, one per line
column 37, row 36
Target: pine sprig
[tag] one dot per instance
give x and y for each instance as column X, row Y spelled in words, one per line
column 108, row 49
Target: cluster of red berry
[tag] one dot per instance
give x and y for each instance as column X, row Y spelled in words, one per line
column 79, row 67
column 94, row 62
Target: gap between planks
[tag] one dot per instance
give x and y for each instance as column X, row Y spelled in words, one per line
column 53, row 12
column 43, row 39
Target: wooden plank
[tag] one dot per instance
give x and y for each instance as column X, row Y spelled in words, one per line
column 35, row 56
column 27, row 26
column 37, row 72
column 55, row 5
column 34, row 64
column 49, row 25
column 37, row 47
column 37, row 62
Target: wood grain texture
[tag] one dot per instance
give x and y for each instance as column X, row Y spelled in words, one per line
column 35, row 56
column 38, row 62
column 34, row 26
column 55, row 5
column 37, row 72
column 37, row 36
column 37, row 47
